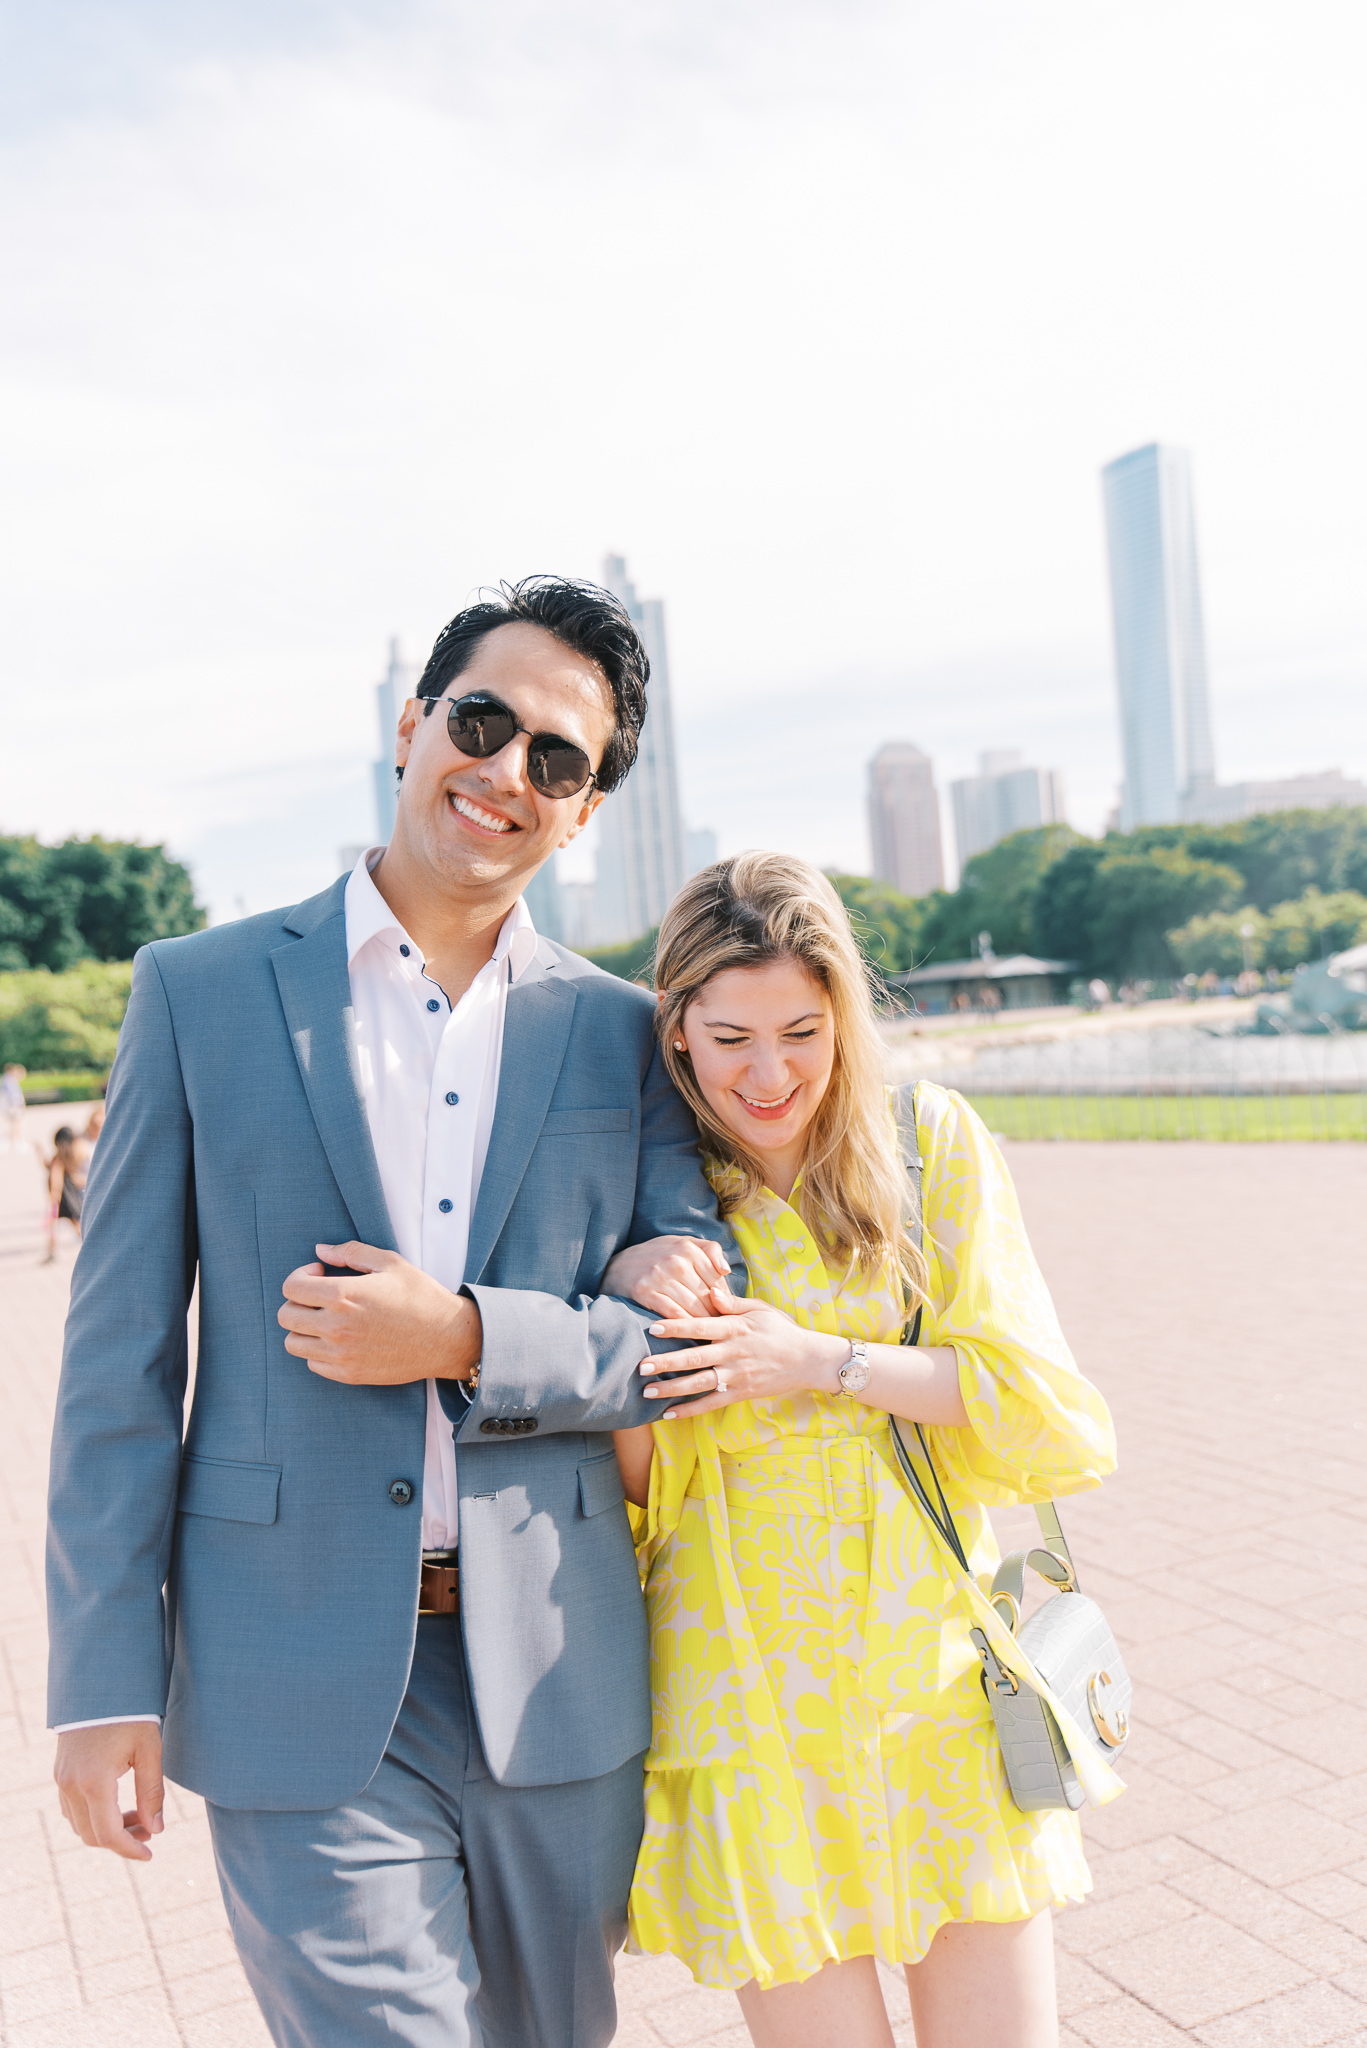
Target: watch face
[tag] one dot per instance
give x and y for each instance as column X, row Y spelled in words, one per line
column 855, row 1375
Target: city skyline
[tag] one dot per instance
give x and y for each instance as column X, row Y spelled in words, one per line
column 292, row 431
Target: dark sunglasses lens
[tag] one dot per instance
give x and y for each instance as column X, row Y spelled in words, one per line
column 479, row 728
column 557, row 768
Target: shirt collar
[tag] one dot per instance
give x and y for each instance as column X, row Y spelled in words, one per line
column 368, row 916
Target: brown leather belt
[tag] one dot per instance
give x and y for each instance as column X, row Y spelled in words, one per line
column 439, row 1584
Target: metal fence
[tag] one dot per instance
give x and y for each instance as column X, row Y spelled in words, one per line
column 1161, row 1081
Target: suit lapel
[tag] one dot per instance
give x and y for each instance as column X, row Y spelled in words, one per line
column 536, row 1030
column 315, row 991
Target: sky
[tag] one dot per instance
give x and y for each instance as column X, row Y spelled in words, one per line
column 826, row 314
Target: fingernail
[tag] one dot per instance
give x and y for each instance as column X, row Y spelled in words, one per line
column 158, row 1824
column 656, row 1330
column 655, row 1394
column 670, row 1415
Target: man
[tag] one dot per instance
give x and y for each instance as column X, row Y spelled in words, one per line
column 400, row 1647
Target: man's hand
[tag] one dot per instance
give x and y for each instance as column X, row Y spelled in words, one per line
column 382, row 1325
column 90, row 1762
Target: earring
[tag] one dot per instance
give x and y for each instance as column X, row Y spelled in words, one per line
column 678, row 1045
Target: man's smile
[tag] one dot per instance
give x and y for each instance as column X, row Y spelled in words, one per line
column 475, row 814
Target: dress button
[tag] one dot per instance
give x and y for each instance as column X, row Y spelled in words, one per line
column 445, row 1205
column 453, row 1099
column 404, row 951
column 432, row 1003
column 401, row 1492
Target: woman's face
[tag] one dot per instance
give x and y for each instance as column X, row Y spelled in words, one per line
column 762, row 1044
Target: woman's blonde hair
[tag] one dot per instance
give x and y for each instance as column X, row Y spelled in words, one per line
column 745, row 912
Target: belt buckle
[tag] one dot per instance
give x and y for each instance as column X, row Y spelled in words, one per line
column 439, row 1580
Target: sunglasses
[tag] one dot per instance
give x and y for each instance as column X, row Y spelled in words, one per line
column 480, row 726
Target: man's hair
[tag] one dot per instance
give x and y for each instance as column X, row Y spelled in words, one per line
column 583, row 617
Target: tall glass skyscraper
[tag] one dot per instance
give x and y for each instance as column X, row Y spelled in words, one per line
column 641, row 864
column 904, row 819
column 1160, row 649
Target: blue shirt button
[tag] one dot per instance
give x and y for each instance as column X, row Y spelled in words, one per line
column 404, row 951
column 432, row 1003
column 453, row 1099
column 445, row 1206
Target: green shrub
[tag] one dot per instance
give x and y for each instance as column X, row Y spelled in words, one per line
column 64, row 1022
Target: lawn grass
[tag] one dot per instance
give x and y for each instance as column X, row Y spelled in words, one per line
column 1227, row 1117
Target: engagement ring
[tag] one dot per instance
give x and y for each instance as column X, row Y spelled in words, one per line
column 721, row 1383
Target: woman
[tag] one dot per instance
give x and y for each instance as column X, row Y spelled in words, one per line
column 66, row 1176
column 824, row 1786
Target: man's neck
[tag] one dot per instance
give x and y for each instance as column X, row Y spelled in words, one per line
column 455, row 934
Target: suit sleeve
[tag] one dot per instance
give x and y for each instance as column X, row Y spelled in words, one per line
column 121, row 1397
column 572, row 1365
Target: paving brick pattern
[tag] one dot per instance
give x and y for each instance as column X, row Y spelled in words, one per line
column 1219, row 1296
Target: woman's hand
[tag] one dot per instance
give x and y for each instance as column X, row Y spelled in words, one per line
column 759, row 1354
column 672, row 1276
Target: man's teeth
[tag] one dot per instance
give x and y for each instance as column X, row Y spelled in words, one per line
column 479, row 817
column 755, row 1102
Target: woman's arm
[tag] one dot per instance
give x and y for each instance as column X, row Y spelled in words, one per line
column 635, row 1450
column 762, row 1354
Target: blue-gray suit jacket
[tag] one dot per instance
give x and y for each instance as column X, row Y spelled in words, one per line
column 258, row 1585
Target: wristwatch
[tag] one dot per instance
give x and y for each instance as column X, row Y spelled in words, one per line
column 856, row 1372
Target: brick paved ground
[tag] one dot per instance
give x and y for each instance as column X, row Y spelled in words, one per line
column 1219, row 1296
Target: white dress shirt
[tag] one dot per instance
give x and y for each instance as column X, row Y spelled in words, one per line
column 429, row 1081
column 428, row 1077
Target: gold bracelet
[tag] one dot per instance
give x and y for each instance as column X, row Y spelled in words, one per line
column 472, row 1377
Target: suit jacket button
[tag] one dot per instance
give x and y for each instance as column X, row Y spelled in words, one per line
column 490, row 1426
column 401, row 1492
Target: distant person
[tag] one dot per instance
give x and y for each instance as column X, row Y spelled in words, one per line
column 12, row 1104
column 94, row 1123
column 385, row 1594
column 825, row 1784
column 66, row 1178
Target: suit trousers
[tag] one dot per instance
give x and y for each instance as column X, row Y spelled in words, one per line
column 436, row 1908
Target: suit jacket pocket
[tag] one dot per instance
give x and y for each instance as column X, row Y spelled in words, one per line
column 231, row 1491
column 600, row 1484
column 579, row 1123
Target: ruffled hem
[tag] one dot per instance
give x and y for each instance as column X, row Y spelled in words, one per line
column 726, row 1881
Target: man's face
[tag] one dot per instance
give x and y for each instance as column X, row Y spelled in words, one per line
column 480, row 825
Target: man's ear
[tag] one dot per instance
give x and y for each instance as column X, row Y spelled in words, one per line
column 408, row 725
column 586, row 811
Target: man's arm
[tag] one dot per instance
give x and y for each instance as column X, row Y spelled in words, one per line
column 564, row 1365
column 575, row 1365
column 120, row 1402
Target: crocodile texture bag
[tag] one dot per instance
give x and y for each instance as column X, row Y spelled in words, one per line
column 1066, row 1641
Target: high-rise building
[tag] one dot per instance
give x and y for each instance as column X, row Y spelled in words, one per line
column 1003, row 797
column 700, row 848
column 1160, row 651
column 641, row 863
column 904, row 819
column 391, row 694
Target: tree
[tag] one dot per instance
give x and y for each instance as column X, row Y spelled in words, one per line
column 89, row 899
column 1111, row 908
column 887, row 925
column 1315, row 926
column 630, row 962
column 996, row 895
column 1215, row 944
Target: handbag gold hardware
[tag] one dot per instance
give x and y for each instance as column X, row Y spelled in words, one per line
column 1109, row 1718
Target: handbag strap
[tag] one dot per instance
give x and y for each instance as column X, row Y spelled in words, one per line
column 1046, row 1511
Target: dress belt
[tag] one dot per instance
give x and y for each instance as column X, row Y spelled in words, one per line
column 439, row 1583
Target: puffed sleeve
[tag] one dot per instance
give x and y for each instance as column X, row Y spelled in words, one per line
column 1037, row 1427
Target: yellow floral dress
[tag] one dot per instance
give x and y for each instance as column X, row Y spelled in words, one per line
column 824, row 1780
